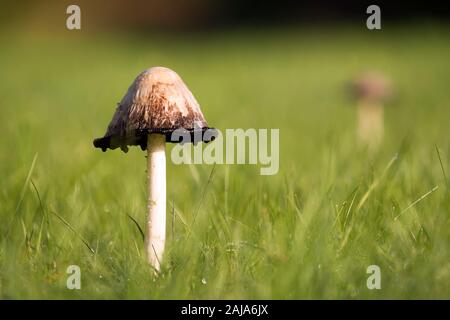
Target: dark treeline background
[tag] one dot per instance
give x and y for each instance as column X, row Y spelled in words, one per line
column 210, row 14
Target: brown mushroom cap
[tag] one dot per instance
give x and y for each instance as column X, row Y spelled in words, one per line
column 372, row 86
column 158, row 101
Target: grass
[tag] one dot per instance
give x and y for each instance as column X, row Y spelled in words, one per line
column 310, row 231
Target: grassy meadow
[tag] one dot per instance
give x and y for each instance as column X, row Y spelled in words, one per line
column 308, row 232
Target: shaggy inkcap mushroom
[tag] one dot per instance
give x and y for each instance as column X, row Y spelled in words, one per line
column 371, row 91
column 157, row 104
column 158, row 101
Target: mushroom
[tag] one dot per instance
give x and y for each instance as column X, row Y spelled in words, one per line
column 156, row 105
column 371, row 90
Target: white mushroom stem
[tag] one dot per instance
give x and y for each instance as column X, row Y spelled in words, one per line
column 370, row 123
column 156, row 222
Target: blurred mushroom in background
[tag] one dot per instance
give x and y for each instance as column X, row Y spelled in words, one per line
column 371, row 91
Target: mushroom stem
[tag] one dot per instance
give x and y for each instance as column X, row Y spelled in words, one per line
column 370, row 123
column 156, row 222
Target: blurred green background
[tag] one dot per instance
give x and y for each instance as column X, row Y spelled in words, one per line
column 308, row 232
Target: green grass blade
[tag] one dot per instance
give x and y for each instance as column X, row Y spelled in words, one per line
column 69, row 226
column 27, row 181
column 138, row 226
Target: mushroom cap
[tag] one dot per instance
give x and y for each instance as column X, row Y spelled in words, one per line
column 372, row 86
column 157, row 101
